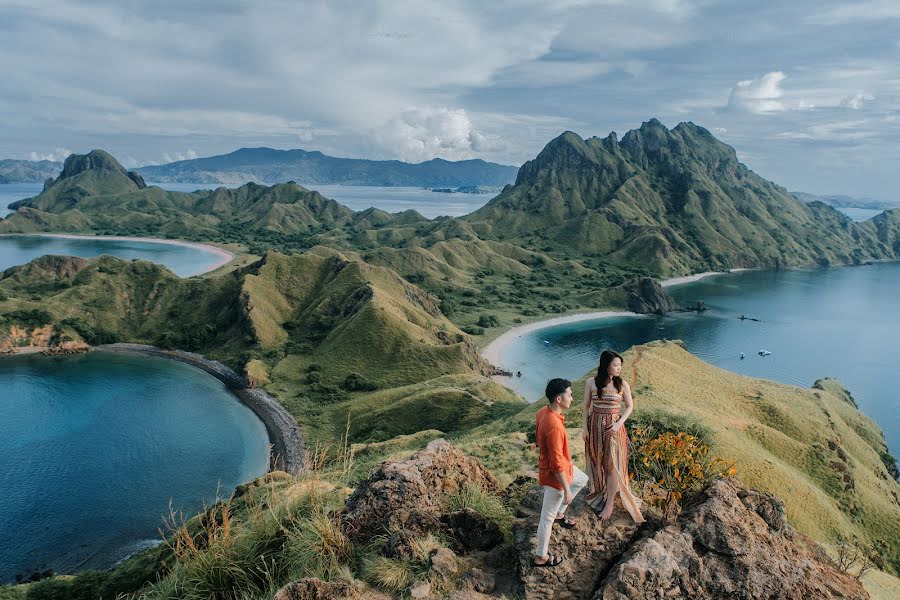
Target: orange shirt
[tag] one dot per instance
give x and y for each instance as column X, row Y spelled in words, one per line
column 553, row 446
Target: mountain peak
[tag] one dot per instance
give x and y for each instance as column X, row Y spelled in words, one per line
column 96, row 160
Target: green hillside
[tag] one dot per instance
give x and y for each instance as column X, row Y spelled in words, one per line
column 675, row 201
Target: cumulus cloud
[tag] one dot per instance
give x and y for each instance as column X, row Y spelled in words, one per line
column 761, row 95
column 59, row 154
column 177, row 156
column 421, row 133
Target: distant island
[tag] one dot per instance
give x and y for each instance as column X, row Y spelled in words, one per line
column 269, row 166
column 841, row 201
column 28, row 171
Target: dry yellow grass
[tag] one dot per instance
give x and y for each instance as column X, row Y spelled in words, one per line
column 811, row 448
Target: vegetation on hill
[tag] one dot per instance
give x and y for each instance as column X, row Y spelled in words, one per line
column 361, row 323
column 673, row 200
column 265, row 165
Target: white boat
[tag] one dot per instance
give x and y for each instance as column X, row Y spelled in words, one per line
column 764, row 353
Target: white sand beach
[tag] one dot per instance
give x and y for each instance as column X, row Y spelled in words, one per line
column 224, row 256
column 493, row 351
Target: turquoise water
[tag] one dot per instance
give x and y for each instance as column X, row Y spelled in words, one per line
column 838, row 322
column 184, row 261
column 95, row 447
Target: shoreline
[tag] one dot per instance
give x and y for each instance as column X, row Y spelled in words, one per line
column 287, row 447
column 225, row 256
column 493, row 351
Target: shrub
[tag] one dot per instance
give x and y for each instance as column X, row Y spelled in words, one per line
column 472, row 330
column 485, row 504
column 357, row 383
column 488, row 321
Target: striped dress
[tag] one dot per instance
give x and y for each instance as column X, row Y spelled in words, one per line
column 604, row 449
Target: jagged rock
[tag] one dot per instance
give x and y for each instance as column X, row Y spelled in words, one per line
column 473, row 531
column 399, row 545
column 443, row 562
column 411, row 494
column 729, row 542
column 481, row 581
column 49, row 268
column 589, row 549
column 646, row 296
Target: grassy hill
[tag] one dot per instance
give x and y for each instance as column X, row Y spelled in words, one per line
column 676, row 201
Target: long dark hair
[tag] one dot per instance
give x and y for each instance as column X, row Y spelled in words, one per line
column 606, row 358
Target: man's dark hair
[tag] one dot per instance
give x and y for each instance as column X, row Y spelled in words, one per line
column 556, row 387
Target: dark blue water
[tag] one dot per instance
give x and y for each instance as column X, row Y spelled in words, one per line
column 838, row 322
column 94, row 447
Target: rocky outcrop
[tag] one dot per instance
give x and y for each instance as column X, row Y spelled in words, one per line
column 96, row 160
column 589, row 550
column 412, row 494
column 730, row 542
column 647, row 296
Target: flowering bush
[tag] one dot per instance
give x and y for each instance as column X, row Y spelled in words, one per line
column 672, row 464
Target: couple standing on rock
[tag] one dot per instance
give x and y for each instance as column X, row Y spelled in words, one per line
column 606, row 452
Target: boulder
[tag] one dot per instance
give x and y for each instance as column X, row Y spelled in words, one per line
column 316, row 589
column 589, row 550
column 729, row 542
column 411, row 494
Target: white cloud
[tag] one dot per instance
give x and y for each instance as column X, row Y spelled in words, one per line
column 177, row 156
column 421, row 133
column 856, row 101
column 59, row 154
column 761, row 95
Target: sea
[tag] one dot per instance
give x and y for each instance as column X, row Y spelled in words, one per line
column 822, row 322
column 100, row 449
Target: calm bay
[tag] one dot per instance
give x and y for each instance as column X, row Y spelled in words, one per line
column 825, row 322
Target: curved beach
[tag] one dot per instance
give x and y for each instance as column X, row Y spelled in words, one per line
column 224, row 256
column 288, row 450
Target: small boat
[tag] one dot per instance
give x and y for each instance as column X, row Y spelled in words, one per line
column 764, row 353
column 546, row 342
column 742, row 356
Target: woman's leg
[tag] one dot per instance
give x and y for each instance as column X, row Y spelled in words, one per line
column 612, row 488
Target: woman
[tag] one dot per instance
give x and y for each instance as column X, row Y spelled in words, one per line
column 605, row 438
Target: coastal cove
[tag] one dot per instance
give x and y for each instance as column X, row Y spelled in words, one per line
column 96, row 446
column 185, row 259
column 823, row 322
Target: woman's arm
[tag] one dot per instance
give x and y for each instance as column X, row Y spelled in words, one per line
column 585, row 408
column 629, row 406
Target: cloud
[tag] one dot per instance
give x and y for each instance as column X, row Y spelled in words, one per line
column 177, row 156
column 760, row 96
column 856, row 101
column 873, row 10
column 421, row 133
column 59, row 154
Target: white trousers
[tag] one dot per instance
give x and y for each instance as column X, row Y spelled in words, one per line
column 553, row 506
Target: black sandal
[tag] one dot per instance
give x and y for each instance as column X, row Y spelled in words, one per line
column 552, row 561
column 565, row 522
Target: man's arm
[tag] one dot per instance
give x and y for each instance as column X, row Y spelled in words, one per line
column 585, row 409
column 558, row 461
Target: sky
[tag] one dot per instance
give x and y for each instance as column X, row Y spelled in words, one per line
column 808, row 93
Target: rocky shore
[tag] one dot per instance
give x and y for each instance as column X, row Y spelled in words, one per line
column 288, row 450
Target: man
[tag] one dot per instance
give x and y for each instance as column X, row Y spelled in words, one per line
column 560, row 478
